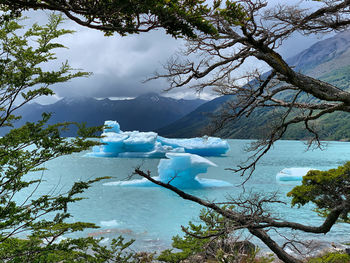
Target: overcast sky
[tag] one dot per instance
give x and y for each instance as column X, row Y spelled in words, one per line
column 120, row 64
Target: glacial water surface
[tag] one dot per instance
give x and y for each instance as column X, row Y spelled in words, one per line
column 153, row 215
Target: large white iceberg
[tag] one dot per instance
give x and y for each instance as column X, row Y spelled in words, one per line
column 135, row 144
column 292, row 174
column 179, row 170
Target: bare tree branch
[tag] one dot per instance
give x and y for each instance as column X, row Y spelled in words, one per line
column 252, row 215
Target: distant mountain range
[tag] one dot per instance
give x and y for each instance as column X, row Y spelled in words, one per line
column 328, row 60
column 144, row 113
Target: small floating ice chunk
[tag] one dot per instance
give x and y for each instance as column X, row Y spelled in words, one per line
column 109, row 223
column 134, row 183
column 179, row 170
column 135, row 144
column 292, row 174
column 104, row 240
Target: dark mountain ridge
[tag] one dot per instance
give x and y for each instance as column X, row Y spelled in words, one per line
column 146, row 112
column 321, row 52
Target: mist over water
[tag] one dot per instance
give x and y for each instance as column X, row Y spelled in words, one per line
column 152, row 215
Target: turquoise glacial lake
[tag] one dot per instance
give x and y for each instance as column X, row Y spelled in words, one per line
column 152, row 215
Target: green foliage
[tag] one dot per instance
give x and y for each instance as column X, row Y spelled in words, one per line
column 232, row 12
column 339, row 77
column 190, row 244
column 177, row 17
column 181, row 17
column 42, row 220
column 331, row 258
column 206, row 239
column 49, row 249
column 23, row 56
column 325, row 189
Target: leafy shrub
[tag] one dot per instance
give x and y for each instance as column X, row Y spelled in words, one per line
column 211, row 241
column 331, row 258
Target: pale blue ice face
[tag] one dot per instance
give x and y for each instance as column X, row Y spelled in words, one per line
column 112, row 126
column 179, row 170
column 135, row 144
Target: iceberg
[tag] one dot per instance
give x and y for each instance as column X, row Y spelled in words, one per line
column 135, row 144
column 179, row 170
column 111, row 126
column 109, row 223
column 292, row 174
column 204, row 146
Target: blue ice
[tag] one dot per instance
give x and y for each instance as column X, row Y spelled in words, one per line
column 204, row 146
column 135, row 144
column 292, row 174
column 179, row 170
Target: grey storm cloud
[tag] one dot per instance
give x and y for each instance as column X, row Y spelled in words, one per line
column 119, row 65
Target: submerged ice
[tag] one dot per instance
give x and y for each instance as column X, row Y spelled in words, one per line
column 179, row 170
column 135, row 144
column 292, row 174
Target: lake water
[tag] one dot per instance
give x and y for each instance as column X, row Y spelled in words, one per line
column 153, row 215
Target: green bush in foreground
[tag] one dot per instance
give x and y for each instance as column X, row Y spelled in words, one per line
column 32, row 229
column 331, row 258
column 326, row 189
column 197, row 237
column 208, row 241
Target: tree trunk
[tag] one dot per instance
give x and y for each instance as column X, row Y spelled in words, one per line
column 281, row 254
